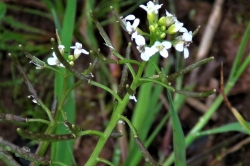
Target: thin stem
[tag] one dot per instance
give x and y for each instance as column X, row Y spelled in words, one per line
column 90, row 132
column 105, row 161
column 130, row 61
column 129, row 124
column 106, row 89
column 46, row 110
column 143, row 149
column 114, row 119
column 155, row 66
column 146, row 80
column 52, row 68
column 39, row 120
column 242, row 67
column 129, row 65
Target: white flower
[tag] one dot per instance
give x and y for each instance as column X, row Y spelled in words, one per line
column 61, row 49
column 132, row 97
column 184, row 42
column 162, row 47
column 175, row 27
column 78, row 50
column 151, row 7
column 54, row 61
column 33, row 100
column 146, row 52
column 132, row 28
column 187, row 36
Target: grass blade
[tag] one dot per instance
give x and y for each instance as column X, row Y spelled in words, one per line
column 179, row 139
column 58, row 149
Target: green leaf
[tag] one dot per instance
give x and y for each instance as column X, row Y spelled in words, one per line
column 236, row 126
column 179, row 139
column 2, row 9
column 62, row 151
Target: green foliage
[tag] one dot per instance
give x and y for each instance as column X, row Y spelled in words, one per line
column 2, row 9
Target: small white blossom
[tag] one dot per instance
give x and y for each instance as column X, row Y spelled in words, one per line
column 175, row 27
column 61, row 49
column 132, row 28
column 151, row 7
column 130, row 17
column 184, row 42
column 54, row 60
column 78, row 50
column 33, row 100
column 162, row 47
column 132, row 97
column 146, row 52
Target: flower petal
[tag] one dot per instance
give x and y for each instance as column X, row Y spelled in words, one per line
column 130, row 17
column 78, row 45
column 136, row 23
column 179, row 47
column 144, row 56
column 140, row 40
column 129, row 27
column 84, row 51
column 150, row 51
column 134, row 35
column 186, row 53
column 187, row 36
column 144, row 7
column 166, row 44
column 132, row 97
column 164, row 53
column 52, row 61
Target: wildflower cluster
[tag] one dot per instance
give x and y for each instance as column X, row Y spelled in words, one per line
column 158, row 29
column 77, row 52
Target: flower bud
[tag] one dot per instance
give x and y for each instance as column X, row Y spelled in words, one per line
column 71, row 63
column 163, row 35
column 162, row 21
column 174, row 28
column 61, row 49
column 163, row 28
column 169, row 21
column 151, row 17
column 71, row 57
column 152, row 28
column 158, row 33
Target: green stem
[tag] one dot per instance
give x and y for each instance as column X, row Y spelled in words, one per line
column 128, row 64
column 46, row 110
column 39, row 120
column 52, row 68
column 105, row 161
column 90, row 132
column 51, row 129
column 93, row 160
column 106, row 89
column 130, row 125
column 123, row 61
